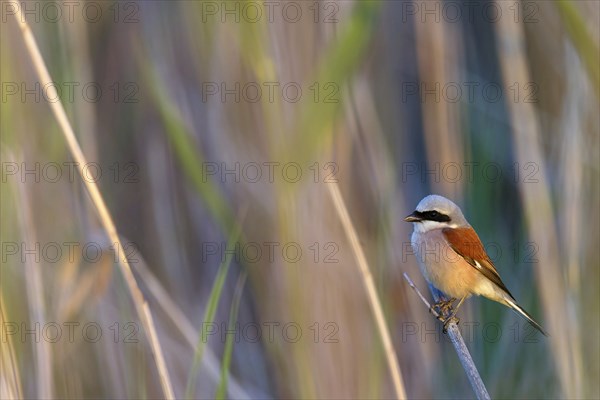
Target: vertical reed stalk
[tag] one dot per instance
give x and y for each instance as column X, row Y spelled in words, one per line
column 141, row 305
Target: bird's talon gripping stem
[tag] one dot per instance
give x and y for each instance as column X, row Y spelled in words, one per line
column 442, row 308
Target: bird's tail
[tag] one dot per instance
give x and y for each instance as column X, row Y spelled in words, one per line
column 512, row 304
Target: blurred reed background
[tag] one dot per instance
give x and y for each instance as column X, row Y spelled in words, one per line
column 497, row 110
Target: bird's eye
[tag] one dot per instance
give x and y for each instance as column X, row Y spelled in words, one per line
column 437, row 216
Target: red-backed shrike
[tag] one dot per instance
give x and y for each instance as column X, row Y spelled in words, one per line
column 452, row 258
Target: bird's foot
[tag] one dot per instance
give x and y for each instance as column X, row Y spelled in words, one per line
column 442, row 308
column 448, row 321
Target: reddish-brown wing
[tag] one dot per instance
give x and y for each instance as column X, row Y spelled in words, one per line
column 467, row 244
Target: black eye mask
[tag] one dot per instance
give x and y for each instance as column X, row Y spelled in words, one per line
column 432, row 216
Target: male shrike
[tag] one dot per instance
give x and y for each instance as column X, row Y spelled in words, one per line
column 452, row 258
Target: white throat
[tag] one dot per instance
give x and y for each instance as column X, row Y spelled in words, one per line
column 426, row 226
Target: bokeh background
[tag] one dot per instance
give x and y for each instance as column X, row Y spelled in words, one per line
column 218, row 126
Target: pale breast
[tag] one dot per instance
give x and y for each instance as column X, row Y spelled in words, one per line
column 443, row 267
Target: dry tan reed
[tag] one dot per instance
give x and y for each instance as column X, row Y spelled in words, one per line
column 141, row 305
column 367, row 278
column 10, row 387
column 35, row 298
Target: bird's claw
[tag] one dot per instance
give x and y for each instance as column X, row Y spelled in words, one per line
column 443, row 312
column 442, row 308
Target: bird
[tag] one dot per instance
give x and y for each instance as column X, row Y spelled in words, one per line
column 452, row 258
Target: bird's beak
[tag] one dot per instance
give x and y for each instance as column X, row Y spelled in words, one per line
column 413, row 217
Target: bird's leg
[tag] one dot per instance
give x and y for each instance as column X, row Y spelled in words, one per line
column 452, row 316
column 441, row 308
